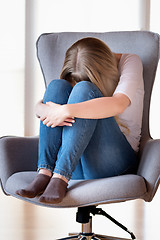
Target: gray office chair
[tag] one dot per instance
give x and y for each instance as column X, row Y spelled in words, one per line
column 18, row 155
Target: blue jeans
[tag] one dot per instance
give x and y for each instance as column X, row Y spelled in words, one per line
column 91, row 148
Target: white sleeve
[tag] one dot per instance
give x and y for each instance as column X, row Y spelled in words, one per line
column 131, row 73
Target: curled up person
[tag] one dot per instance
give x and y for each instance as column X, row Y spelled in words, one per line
column 90, row 120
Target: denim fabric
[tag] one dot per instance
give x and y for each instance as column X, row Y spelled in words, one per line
column 91, row 148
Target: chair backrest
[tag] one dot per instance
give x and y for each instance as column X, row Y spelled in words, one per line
column 51, row 50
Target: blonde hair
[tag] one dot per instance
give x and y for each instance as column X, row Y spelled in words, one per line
column 90, row 59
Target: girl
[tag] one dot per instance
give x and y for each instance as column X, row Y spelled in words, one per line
column 90, row 119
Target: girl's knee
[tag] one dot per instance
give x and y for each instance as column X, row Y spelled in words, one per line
column 58, row 83
column 57, row 91
column 84, row 85
column 84, row 91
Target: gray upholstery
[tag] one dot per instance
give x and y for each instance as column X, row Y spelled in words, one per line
column 88, row 192
column 18, row 156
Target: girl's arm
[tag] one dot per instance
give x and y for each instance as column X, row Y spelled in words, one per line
column 56, row 115
column 98, row 108
column 40, row 109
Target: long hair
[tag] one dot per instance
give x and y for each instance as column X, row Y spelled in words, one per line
column 90, row 59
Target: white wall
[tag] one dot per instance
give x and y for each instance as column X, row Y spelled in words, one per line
column 12, row 67
column 155, row 109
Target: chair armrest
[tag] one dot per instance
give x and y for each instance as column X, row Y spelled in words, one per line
column 17, row 154
column 149, row 167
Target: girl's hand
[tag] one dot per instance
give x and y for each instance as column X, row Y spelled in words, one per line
column 56, row 116
column 39, row 108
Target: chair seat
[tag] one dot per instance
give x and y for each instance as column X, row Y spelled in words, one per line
column 85, row 192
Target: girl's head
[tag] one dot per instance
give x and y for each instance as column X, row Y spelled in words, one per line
column 90, row 59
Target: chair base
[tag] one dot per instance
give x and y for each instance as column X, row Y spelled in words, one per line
column 83, row 216
column 92, row 236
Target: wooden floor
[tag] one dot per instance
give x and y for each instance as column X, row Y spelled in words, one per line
column 24, row 221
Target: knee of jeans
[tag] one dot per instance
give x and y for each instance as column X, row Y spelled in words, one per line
column 58, row 84
column 57, row 91
column 84, row 91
